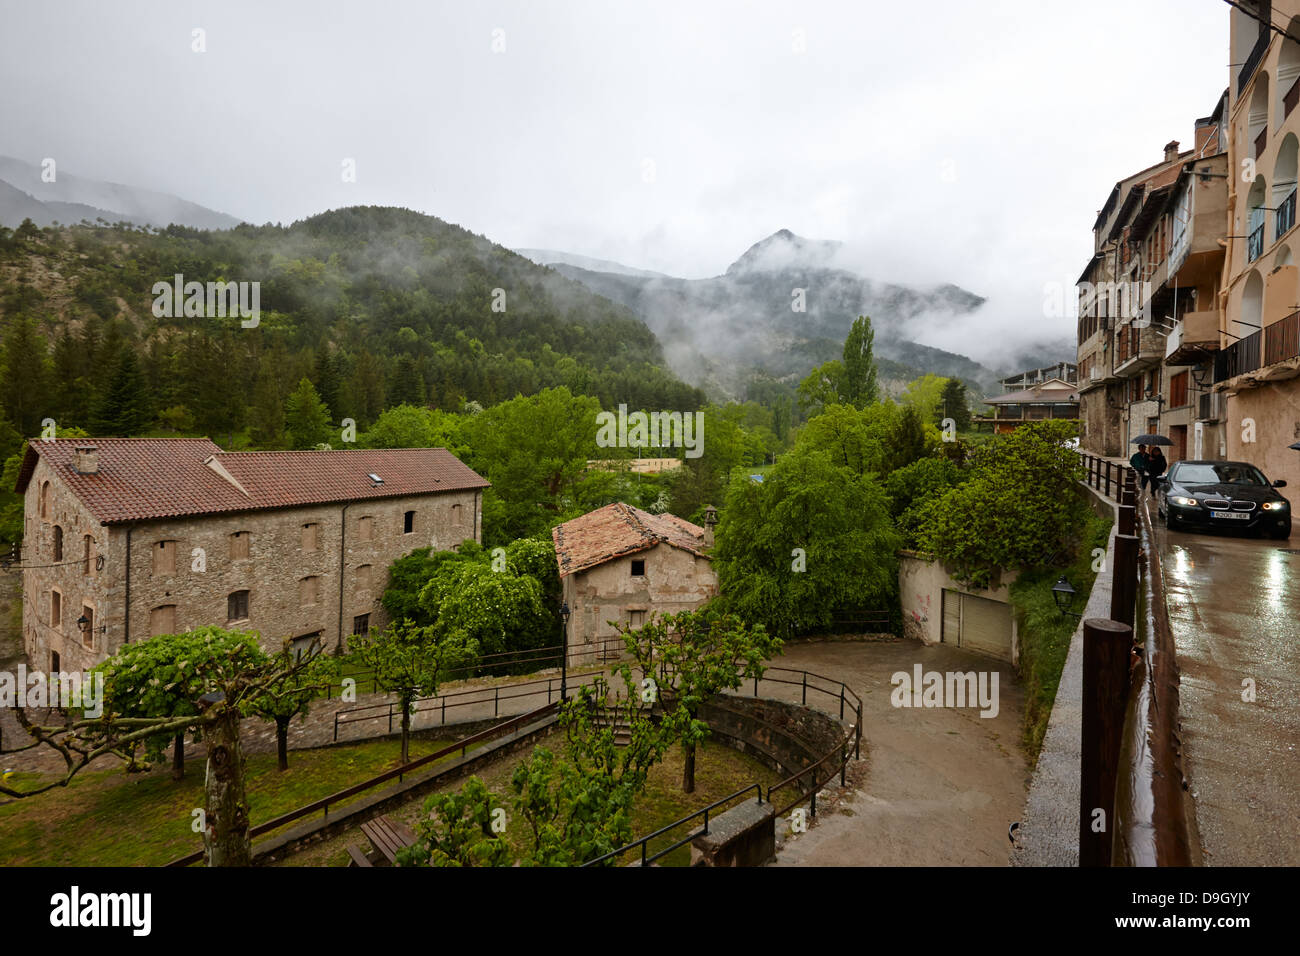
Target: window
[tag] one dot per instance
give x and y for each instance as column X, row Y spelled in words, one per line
column 302, row 646
column 308, row 590
column 45, row 501
column 54, row 662
column 87, row 555
column 310, row 537
column 58, row 543
column 162, row 620
column 237, row 606
column 56, row 609
column 365, row 528
column 408, row 523
column 635, row 619
column 456, row 515
column 1178, row 390
column 363, row 578
column 638, row 569
column 88, row 634
column 164, row 557
column 361, row 624
column 239, row 546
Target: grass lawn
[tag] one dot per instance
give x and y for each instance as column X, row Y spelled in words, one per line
column 1045, row 634
column 109, row 818
column 719, row 771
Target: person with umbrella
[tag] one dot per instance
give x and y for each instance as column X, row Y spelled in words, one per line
column 1139, row 462
column 1156, row 465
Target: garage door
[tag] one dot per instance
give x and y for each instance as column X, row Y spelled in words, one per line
column 977, row 624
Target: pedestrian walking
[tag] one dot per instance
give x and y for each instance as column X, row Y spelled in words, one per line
column 1156, row 465
column 1139, row 461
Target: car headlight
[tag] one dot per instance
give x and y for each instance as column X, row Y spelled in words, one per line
column 1275, row 506
column 1184, row 502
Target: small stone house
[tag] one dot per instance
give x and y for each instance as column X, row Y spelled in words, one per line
column 620, row 563
column 128, row 538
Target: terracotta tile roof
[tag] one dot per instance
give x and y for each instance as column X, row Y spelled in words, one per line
column 1055, row 391
column 141, row 479
column 616, row 530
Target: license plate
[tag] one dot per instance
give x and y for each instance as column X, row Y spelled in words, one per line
column 1236, row 515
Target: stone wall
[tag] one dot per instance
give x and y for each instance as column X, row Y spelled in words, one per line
column 785, row 737
column 206, row 570
column 675, row 580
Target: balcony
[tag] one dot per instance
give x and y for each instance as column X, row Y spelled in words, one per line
column 1255, row 243
column 1195, row 334
column 1261, row 141
column 1285, row 215
column 1252, row 61
column 1291, row 98
column 1238, row 358
column 1282, row 339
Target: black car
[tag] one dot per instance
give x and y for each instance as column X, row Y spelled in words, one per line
column 1223, row 494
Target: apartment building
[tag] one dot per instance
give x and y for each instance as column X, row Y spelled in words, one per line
column 1148, row 302
column 125, row 539
column 1256, row 372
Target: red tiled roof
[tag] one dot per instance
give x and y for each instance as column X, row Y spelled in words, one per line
column 616, row 530
column 141, row 479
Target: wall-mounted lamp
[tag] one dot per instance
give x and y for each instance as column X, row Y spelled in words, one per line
column 1063, row 593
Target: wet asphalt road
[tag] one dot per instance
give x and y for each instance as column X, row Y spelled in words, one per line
column 1234, row 603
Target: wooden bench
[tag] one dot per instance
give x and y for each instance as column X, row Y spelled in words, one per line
column 359, row 858
column 387, row 836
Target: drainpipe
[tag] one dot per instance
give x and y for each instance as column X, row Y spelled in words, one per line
column 343, row 553
column 126, row 617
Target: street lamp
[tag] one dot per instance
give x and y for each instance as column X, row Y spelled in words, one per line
column 564, row 659
column 1063, row 593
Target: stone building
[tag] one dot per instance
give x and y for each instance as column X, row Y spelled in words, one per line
column 1149, row 301
column 622, row 564
column 129, row 538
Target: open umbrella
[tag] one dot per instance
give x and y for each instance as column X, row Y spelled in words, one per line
column 1151, row 440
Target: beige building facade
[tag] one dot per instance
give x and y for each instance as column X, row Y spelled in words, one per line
column 125, row 539
column 620, row 564
column 1257, row 371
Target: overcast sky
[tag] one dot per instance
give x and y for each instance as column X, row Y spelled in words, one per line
column 956, row 141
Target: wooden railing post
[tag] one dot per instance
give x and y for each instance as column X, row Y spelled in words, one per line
column 1106, row 649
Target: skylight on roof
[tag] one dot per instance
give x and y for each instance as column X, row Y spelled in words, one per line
column 376, row 479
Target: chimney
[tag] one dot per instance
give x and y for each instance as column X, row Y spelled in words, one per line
column 87, row 460
column 710, row 519
column 1171, row 150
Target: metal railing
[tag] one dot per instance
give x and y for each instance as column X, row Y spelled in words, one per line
column 1282, row 338
column 822, row 770
column 1255, row 243
column 1105, row 475
column 1285, row 215
column 397, row 773
column 536, row 658
column 388, row 710
column 644, row 842
column 1238, row 358
column 1251, row 62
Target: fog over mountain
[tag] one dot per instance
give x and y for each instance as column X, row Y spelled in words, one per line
column 24, row 194
column 786, row 304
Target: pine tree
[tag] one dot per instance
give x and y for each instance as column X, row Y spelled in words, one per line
column 953, row 404
column 25, row 364
column 408, row 384
column 327, row 380
column 123, row 411
column 267, row 430
column 306, row 419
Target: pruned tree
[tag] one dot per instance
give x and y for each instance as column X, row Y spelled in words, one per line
column 232, row 671
column 686, row 658
column 291, row 695
column 409, row 660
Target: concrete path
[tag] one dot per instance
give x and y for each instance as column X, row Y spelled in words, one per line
column 1234, row 603
column 938, row 786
